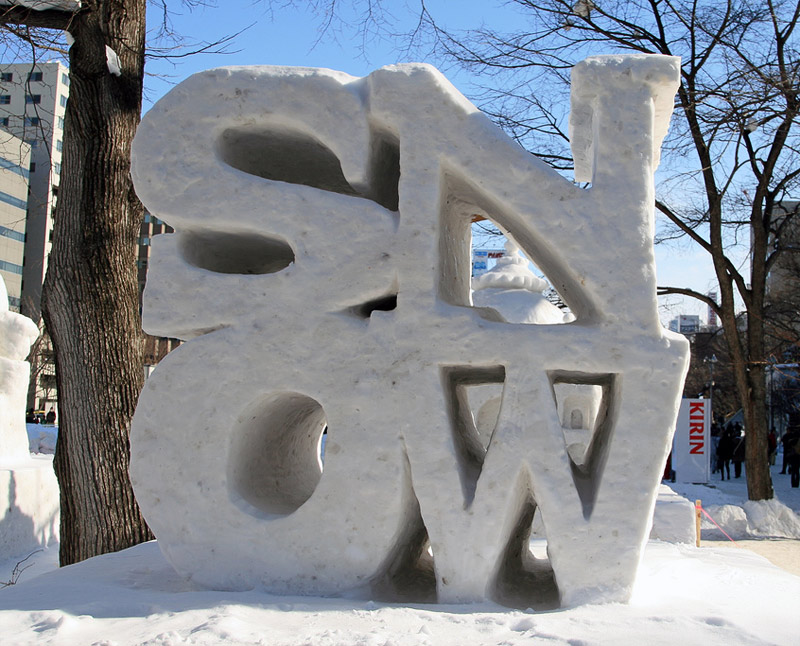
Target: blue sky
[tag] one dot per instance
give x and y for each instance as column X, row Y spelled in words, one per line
column 291, row 36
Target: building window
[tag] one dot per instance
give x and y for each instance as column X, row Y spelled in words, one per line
column 63, row 101
column 13, row 201
column 33, row 167
column 32, row 121
column 35, row 99
column 61, row 122
column 10, row 267
column 59, row 145
column 5, row 99
column 4, row 122
column 144, row 241
column 7, row 76
column 10, row 233
column 65, row 78
column 13, row 167
column 35, row 76
column 57, row 168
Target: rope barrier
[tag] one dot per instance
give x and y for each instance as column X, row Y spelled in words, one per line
column 699, row 507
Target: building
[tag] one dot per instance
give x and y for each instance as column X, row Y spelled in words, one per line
column 783, row 280
column 481, row 260
column 14, row 163
column 33, row 100
column 155, row 348
column 685, row 324
column 713, row 322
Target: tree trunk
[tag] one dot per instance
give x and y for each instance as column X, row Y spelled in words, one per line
column 759, row 480
column 90, row 296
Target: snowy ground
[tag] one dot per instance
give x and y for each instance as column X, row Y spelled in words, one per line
column 726, row 503
column 710, row 596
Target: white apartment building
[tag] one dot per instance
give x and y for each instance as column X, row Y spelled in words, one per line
column 14, row 163
column 33, row 100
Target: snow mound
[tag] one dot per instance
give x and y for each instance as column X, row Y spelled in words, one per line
column 730, row 519
column 754, row 519
column 772, row 518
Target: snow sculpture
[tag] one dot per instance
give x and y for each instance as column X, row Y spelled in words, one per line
column 511, row 288
column 515, row 291
column 17, row 334
column 29, row 497
column 320, row 273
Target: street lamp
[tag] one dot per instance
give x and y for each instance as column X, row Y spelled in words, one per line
column 711, row 361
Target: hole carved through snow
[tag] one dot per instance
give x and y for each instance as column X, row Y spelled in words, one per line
column 274, row 463
column 235, row 253
column 284, row 156
column 294, row 157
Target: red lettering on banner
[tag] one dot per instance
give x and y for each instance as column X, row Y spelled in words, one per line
column 696, row 428
column 696, row 448
column 697, row 407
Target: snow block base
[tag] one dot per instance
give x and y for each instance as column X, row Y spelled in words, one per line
column 674, row 519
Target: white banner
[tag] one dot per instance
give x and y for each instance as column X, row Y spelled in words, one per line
column 691, row 447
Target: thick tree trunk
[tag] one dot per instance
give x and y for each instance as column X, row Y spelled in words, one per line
column 759, row 480
column 90, row 297
column 747, row 363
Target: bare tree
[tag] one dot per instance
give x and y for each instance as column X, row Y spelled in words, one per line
column 733, row 155
column 90, row 295
column 710, row 373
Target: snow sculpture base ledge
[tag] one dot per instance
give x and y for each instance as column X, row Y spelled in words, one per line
column 321, row 275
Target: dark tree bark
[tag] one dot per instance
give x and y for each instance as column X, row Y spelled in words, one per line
column 90, row 295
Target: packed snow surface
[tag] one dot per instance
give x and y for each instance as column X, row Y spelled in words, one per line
column 694, row 596
column 706, row 596
column 726, row 504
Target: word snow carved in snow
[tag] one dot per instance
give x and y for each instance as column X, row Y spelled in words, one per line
column 320, row 272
